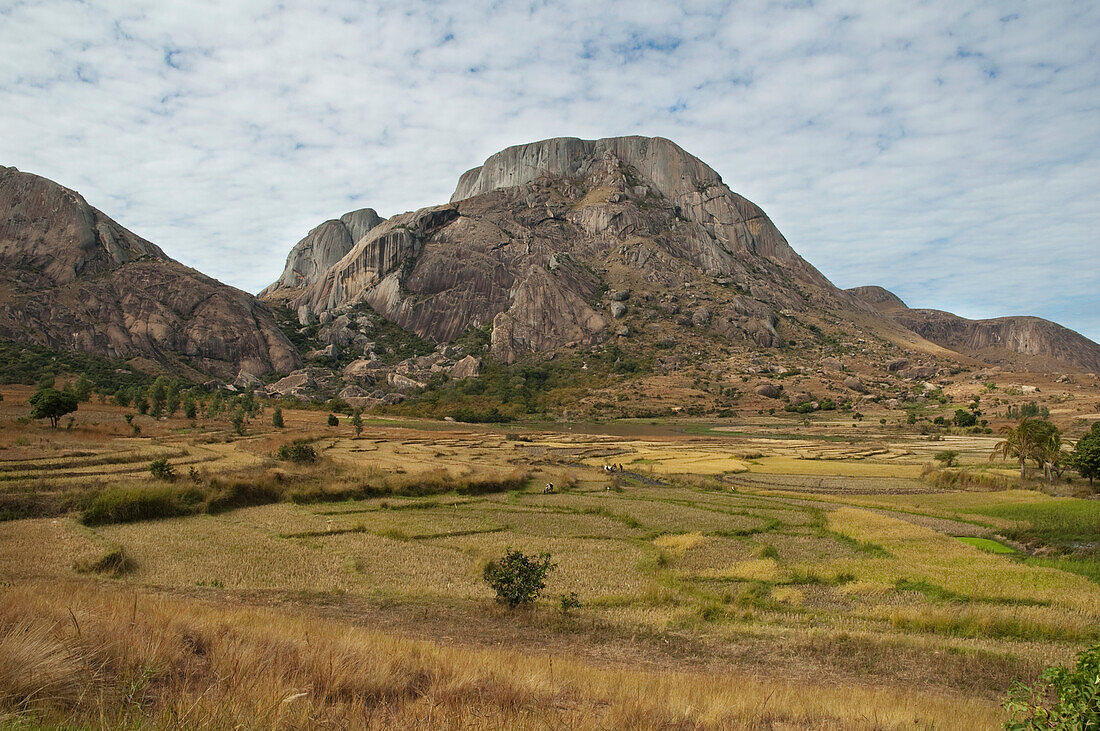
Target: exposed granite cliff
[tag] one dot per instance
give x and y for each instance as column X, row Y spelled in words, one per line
column 75, row 279
column 533, row 238
column 1029, row 342
column 322, row 247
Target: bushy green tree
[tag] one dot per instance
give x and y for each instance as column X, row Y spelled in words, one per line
column 83, row 388
column 357, row 422
column 49, row 403
column 518, row 579
column 1085, row 457
column 965, row 418
column 332, row 420
column 190, row 410
column 277, row 418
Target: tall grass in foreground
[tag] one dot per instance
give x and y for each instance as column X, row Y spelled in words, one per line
column 81, row 655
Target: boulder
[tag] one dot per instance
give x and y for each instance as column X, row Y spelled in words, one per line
column 403, row 383
column 769, row 390
column 299, row 384
column 305, row 316
column 623, row 332
column 619, row 296
column 832, row 364
column 897, row 364
column 329, row 352
column 618, row 309
column 855, row 384
column 917, row 373
column 468, row 367
column 701, row 317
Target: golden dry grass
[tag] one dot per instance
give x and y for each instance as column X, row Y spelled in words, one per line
column 113, row 658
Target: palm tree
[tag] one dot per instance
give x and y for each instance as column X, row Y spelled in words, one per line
column 1030, row 439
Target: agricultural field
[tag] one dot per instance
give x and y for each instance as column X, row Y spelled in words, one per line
column 726, row 577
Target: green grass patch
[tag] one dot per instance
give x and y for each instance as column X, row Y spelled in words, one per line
column 1069, row 524
column 987, row 544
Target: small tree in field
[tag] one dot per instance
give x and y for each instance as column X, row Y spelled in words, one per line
column 49, row 403
column 357, row 422
column 518, row 579
column 947, row 457
column 277, row 418
column 162, row 470
column 332, row 420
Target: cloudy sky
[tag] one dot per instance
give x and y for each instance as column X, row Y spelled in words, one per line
column 947, row 150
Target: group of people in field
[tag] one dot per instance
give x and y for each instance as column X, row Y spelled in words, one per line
column 549, row 489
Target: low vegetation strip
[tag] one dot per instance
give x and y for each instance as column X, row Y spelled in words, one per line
column 124, row 504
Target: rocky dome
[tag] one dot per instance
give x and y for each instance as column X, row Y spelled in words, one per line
column 320, row 249
column 532, row 238
column 74, row 279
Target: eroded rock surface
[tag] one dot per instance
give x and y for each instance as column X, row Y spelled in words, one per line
column 76, row 280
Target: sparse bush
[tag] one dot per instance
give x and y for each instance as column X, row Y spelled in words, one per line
column 161, row 470
column 568, row 602
column 518, row 579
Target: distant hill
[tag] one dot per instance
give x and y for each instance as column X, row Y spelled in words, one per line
column 1015, row 342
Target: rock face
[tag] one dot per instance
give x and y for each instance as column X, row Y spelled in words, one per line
column 76, row 280
column 1027, row 341
column 532, row 238
column 319, row 250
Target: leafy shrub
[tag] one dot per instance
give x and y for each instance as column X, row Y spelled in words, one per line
column 518, row 579
column 332, row 420
column 300, row 451
column 277, row 418
column 161, row 470
column 1061, row 700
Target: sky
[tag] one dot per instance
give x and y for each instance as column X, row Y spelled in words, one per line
column 946, row 150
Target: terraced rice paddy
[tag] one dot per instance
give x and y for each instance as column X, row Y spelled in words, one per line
column 821, row 563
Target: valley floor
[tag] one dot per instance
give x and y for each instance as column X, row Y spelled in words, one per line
column 731, row 576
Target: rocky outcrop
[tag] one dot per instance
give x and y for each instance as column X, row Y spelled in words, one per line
column 881, row 299
column 321, row 248
column 76, row 280
column 532, row 238
column 1030, row 342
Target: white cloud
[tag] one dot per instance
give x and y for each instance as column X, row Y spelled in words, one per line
column 947, row 150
